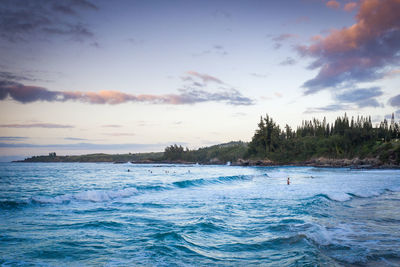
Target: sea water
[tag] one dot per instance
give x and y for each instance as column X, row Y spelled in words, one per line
column 88, row 214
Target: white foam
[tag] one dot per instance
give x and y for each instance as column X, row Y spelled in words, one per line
column 367, row 193
column 339, row 196
column 90, row 195
column 339, row 234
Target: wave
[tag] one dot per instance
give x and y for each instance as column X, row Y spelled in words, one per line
column 109, row 195
column 94, row 224
column 218, row 180
column 90, row 195
column 346, row 196
column 276, row 243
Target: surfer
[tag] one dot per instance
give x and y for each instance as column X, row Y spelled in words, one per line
column 288, row 181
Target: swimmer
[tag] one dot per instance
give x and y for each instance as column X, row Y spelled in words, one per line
column 288, row 181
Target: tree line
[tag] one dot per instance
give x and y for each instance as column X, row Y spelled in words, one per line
column 346, row 137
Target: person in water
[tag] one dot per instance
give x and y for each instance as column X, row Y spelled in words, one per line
column 288, row 181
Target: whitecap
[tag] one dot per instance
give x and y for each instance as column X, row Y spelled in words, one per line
column 339, row 196
column 90, row 195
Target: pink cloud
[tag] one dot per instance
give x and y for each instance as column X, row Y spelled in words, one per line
column 333, row 4
column 357, row 53
column 205, row 77
column 350, row 6
column 27, row 94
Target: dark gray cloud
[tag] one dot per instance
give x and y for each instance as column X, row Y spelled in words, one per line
column 22, row 20
column 75, row 139
column 232, row 97
column 395, row 101
column 77, row 32
column 278, row 40
column 283, row 37
column 361, row 97
column 204, row 77
column 36, row 125
column 197, row 84
column 288, row 62
column 359, row 53
column 27, row 94
column 329, row 108
column 12, row 138
column 8, row 76
column 389, row 116
column 216, row 49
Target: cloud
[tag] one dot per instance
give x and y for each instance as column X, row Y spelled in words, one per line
column 111, row 126
column 204, row 77
column 395, row 101
column 259, row 75
column 77, row 32
column 358, row 53
column 222, row 13
column 361, row 97
column 288, row 62
column 329, row 108
column 22, row 20
column 36, row 125
column 284, row 37
column 392, row 73
column 28, row 94
column 239, row 114
column 333, row 4
column 119, row 134
column 5, row 75
column 216, row 49
column 12, row 138
column 75, row 139
column 192, row 96
column 350, row 6
column 134, row 41
column 278, row 40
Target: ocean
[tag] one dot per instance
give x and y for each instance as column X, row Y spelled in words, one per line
column 101, row 214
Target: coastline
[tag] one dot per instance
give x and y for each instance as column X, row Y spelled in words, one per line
column 321, row 162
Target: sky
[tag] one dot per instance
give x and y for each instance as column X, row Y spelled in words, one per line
column 85, row 76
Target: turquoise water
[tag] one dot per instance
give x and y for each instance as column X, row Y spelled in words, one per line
column 83, row 214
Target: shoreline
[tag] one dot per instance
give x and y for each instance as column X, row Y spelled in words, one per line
column 356, row 163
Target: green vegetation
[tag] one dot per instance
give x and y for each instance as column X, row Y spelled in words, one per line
column 100, row 157
column 344, row 139
column 218, row 154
